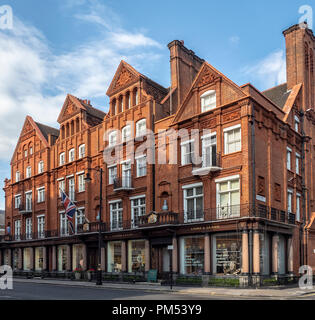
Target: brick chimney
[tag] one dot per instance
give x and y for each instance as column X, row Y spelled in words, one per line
column 184, row 68
column 300, row 46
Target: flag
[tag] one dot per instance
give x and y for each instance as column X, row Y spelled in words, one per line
column 70, row 209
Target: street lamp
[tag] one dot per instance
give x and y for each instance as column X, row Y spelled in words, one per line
column 99, row 268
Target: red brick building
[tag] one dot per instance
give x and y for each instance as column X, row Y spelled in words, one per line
column 247, row 207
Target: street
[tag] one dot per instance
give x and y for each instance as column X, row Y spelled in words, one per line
column 44, row 291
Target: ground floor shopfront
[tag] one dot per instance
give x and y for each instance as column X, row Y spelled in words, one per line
column 186, row 252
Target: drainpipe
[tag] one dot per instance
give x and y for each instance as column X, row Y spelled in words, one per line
column 253, row 188
column 303, row 164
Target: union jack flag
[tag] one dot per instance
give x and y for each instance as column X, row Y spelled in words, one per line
column 70, row 209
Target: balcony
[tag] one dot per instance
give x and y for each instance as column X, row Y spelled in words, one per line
column 210, row 163
column 91, row 227
column 162, row 218
column 123, row 183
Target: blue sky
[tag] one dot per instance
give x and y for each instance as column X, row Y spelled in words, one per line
column 74, row 46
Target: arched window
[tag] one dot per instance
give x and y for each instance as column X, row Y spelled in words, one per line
column 126, row 133
column 208, row 101
column 30, row 149
column 112, row 138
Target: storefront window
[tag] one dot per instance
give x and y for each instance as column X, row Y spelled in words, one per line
column 114, row 256
column 39, row 258
column 27, row 259
column 62, row 258
column 136, row 254
column 77, row 257
column 15, row 259
column 192, row 255
column 227, row 254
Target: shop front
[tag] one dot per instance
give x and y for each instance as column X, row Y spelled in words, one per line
column 192, row 255
column 62, row 258
column 78, row 256
column 27, row 259
column 114, row 256
column 136, row 256
column 39, row 258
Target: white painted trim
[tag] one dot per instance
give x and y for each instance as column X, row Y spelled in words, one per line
column 260, row 198
column 125, row 161
column 40, row 216
column 208, row 135
column 289, row 149
column 79, row 173
column 112, row 166
column 114, row 201
column 62, row 212
column 80, row 208
column 187, row 141
column 290, row 191
column 207, row 93
column 232, row 128
column 60, row 179
column 297, row 155
column 227, row 178
column 30, row 191
column 40, row 188
column 296, row 118
column 195, row 185
column 137, row 197
column 17, row 195
column 298, row 195
column 70, row 176
column 140, row 157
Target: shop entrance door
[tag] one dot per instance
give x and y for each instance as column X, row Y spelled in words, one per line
column 92, row 258
column 160, row 260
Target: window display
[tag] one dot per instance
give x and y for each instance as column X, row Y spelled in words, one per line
column 39, row 258
column 114, row 256
column 192, row 255
column 136, row 255
column 227, row 254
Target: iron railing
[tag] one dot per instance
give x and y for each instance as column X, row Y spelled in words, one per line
column 123, row 183
column 212, row 160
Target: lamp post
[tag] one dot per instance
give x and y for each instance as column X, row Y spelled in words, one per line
column 99, row 268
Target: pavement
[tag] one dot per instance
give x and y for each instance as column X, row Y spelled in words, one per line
column 275, row 293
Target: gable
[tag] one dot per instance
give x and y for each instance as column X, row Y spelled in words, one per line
column 124, row 76
column 70, row 107
column 29, row 130
column 208, row 78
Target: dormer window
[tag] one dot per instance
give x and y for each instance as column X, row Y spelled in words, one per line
column 112, row 139
column 208, row 101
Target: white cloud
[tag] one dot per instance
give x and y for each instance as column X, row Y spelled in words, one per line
column 34, row 80
column 234, row 40
column 268, row 72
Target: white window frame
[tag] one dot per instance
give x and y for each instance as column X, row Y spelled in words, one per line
column 194, row 196
column 62, row 158
column 28, row 203
column 81, row 151
column 61, row 185
column 289, row 159
column 139, row 207
column 17, row 201
column 17, row 176
column 41, row 226
column 71, row 185
column 290, row 201
column 17, row 229
column 141, row 168
column 211, row 95
column 117, row 213
column 81, row 182
column 210, row 145
column 296, row 124
column 297, row 163
column 141, row 132
column 226, row 132
column 64, row 228
column 112, row 138
column 126, row 133
column 40, row 194
column 41, row 166
column 184, row 152
column 111, row 177
column 71, row 155
column 229, row 210
column 79, row 217
column 28, row 172
column 28, row 228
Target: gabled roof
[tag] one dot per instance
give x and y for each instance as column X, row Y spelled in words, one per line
column 40, row 129
column 47, row 130
column 77, row 105
column 206, row 75
column 125, row 75
column 278, row 95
